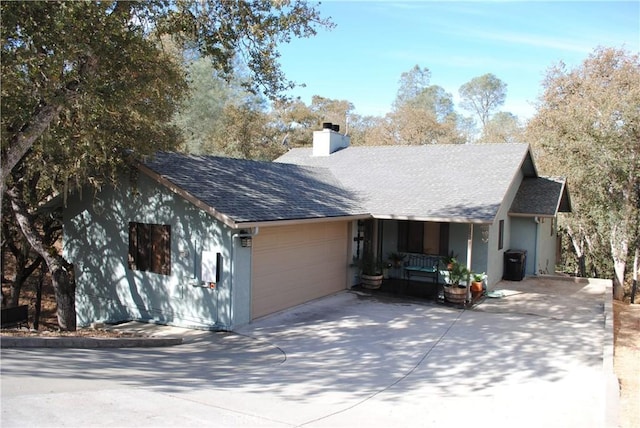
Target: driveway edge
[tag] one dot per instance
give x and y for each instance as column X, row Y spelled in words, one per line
column 88, row 342
column 611, row 384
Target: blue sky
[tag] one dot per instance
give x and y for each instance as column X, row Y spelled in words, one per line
column 361, row 60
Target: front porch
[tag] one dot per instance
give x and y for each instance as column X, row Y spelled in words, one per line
column 419, row 290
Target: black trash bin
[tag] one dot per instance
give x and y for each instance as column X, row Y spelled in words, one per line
column 514, row 265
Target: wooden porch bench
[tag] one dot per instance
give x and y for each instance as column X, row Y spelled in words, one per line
column 422, row 265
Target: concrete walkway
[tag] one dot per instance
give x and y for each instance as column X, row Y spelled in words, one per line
column 347, row 360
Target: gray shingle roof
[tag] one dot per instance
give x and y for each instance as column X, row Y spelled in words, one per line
column 430, row 182
column 252, row 191
column 541, row 196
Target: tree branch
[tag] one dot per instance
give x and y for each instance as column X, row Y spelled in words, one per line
column 22, row 142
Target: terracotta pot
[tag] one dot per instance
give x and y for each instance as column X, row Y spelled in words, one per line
column 476, row 287
column 371, row 281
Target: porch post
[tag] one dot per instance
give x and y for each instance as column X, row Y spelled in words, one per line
column 469, row 246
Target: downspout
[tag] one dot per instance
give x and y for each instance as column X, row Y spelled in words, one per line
column 238, row 234
column 469, row 255
column 535, row 248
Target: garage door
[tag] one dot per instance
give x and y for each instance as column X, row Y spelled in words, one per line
column 295, row 264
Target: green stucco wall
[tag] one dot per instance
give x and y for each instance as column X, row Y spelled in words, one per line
column 96, row 241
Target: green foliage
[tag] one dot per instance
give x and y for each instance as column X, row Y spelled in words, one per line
column 370, row 265
column 396, row 258
column 503, row 127
column 422, row 113
column 587, row 127
column 101, row 73
column 85, row 83
column 221, row 30
column 450, row 258
column 295, row 122
column 220, row 117
column 411, row 84
column 482, row 95
column 478, row 277
column 457, row 274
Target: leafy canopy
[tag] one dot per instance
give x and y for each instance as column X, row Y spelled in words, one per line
column 588, row 128
column 83, row 81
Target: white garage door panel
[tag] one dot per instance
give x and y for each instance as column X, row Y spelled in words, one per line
column 295, row 264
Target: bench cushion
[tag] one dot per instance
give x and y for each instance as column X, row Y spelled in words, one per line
column 428, row 269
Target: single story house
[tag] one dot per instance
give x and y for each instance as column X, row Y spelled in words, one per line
column 212, row 242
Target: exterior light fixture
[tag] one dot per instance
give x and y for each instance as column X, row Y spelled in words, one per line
column 484, row 229
column 246, row 241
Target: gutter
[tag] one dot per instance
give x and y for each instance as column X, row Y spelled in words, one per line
column 289, row 222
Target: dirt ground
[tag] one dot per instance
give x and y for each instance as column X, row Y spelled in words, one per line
column 48, row 321
column 626, row 361
column 626, row 349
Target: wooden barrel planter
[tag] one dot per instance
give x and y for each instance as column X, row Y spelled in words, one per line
column 371, row 281
column 455, row 294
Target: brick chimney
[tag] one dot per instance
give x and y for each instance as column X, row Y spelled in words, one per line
column 329, row 140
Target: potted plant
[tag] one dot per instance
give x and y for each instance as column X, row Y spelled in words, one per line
column 396, row 259
column 477, row 280
column 450, row 259
column 454, row 290
column 371, row 271
column 395, row 262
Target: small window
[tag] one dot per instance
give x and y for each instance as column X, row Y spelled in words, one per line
column 501, row 235
column 410, row 236
column 150, row 247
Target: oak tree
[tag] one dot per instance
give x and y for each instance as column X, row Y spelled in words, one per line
column 482, row 95
column 85, row 82
column 587, row 127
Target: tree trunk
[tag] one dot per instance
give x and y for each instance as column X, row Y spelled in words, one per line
column 619, row 252
column 618, row 280
column 38, row 308
column 22, row 141
column 578, row 248
column 634, row 288
column 64, row 286
column 21, row 252
column 62, row 277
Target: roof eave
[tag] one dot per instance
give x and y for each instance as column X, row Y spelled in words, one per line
column 228, row 221
column 434, row 219
column 531, row 215
column 564, row 199
column 295, row 221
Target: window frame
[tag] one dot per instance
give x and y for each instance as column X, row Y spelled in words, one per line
column 150, row 248
column 410, row 236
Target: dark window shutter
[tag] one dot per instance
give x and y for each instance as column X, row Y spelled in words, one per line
column 133, row 246
column 415, row 240
column 403, row 233
column 161, row 249
column 444, row 239
column 143, row 260
column 150, row 247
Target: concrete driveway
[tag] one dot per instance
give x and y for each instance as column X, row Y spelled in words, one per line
column 532, row 358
